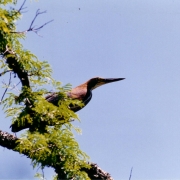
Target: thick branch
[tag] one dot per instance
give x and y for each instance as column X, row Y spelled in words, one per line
column 16, row 66
column 7, row 140
column 95, row 172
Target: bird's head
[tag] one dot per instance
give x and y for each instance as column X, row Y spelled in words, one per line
column 97, row 81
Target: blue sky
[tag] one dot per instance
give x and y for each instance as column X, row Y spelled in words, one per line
column 131, row 123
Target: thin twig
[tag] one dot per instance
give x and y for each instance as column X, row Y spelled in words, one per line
column 37, row 29
column 6, row 87
column 37, row 13
column 15, row 85
column 5, row 72
column 42, row 173
column 28, row 100
column 8, row 50
column 21, row 8
column 64, row 121
column 130, row 173
column 33, row 29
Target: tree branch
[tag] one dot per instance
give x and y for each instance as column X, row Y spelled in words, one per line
column 130, row 174
column 33, row 29
column 7, row 140
column 95, row 172
column 6, row 87
column 15, row 65
column 5, row 72
column 21, row 8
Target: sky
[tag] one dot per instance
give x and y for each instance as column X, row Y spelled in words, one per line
column 130, row 123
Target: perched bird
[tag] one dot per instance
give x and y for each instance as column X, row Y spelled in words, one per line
column 82, row 92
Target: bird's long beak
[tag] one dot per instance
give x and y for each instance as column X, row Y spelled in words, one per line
column 106, row 81
column 109, row 80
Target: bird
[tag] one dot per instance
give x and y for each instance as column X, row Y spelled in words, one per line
column 82, row 93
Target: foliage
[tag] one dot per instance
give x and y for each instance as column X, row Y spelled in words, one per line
column 43, row 150
column 29, row 105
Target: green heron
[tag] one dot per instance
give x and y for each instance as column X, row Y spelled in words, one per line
column 82, row 92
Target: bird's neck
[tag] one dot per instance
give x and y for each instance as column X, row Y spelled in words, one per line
column 88, row 97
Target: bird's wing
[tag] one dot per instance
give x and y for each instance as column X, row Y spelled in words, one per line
column 53, row 98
